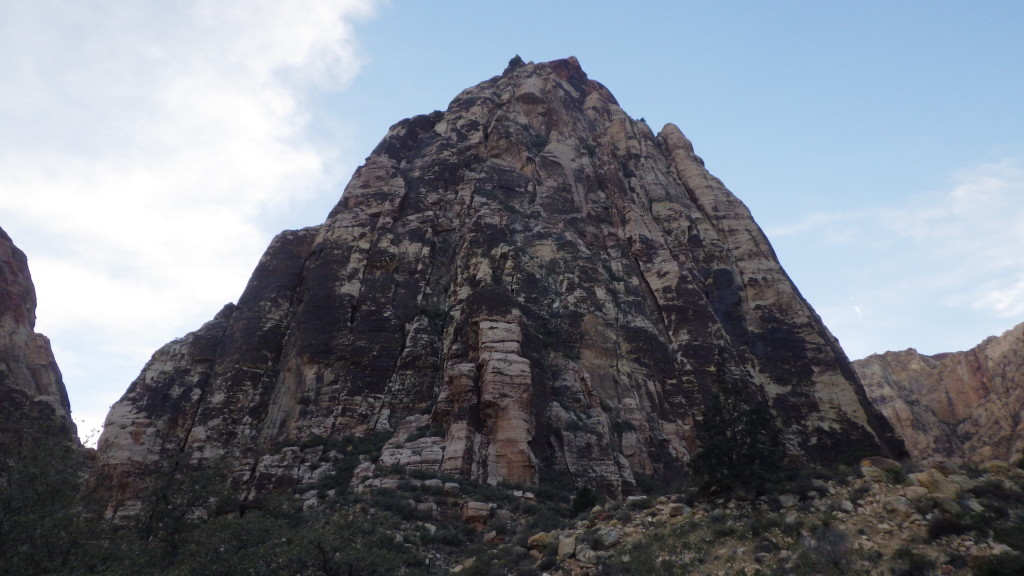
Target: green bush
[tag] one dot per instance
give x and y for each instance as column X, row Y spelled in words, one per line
column 1001, row 565
column 266, row 544
column 825, row 553
column 993, row 489
column 741, row 450
column 502, row 560
column 1011, row 534
column 944, row 525
column 584, row 500
column 44, row 527
column 911, row 563
column 454, row 536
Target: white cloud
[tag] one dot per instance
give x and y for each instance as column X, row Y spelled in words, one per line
column 974, row 234
column 937, row 271
column 145, row 150
column 1005, row 299
column 815, row 221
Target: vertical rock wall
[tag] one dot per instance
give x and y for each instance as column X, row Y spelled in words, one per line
column 961, row 405
column 33, row 400
column 533, row 283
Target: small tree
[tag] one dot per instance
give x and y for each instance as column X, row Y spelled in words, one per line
column 741, row 448
column 584, row 500
column 44, row 528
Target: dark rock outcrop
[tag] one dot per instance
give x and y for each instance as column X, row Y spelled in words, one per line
column 530, row 285
column 33, row 401
column 962, row 405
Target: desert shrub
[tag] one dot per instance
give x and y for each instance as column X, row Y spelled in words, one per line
column 895, row 475
column 264, row 543
column 584, row 500
column 555, row 488
column 759, row 524
column 1000, row 565
column 545, row 520
column 547, row 563
column 946, row 525
column 624, row 516
column 825, row 552
column 859, row 492
column 994, row 489
column 1011, row 534
column 397, row 504
column 638, row 504
column 800, row 480
column 642, row 559
column 724, row 530
column 659, row 554
column 454, row 536
column 501, row 560
column 911, row 563
column 651, row 486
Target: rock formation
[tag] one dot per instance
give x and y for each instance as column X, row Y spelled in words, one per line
column 530, row 285
column 961, row 405
column 33, row 401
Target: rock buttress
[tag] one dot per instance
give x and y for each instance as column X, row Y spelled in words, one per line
column 33, row 400
column 529, row 285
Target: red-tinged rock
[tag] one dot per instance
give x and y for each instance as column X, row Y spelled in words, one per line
column 530, row 285
column 959, row 405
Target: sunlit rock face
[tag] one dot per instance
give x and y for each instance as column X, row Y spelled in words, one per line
column 528, row 285
column 961, row 405
column 33, row 401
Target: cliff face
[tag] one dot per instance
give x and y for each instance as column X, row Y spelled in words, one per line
column 33, row 400
column 961, row 405
column 528, row 285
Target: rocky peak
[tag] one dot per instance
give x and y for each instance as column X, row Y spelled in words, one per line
column 960, row 405
column 530, row 286
column 33, row 400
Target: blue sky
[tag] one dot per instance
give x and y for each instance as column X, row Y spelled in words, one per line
column 150, row 150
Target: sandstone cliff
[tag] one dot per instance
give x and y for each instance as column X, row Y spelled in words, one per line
column 961, row 405
column 530, row 285
column 33, row 400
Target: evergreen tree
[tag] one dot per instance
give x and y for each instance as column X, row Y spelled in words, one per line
column 741, row 447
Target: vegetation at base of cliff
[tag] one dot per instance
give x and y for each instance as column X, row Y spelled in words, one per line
column 1001, row 565
column 806, row 522
column 43, row 527
column 741, row 449
column 188, row 525
column 282, row 540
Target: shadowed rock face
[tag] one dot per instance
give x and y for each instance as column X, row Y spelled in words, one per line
column 960, row 405
column 530, row 284
column 33, row 400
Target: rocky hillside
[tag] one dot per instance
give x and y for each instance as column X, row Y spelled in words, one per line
column 884, row 521
column 33, row 400
column 962, row 405
column 530, row 287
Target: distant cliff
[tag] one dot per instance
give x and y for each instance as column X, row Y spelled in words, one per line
column 963, row 405
column 530, row 286
column 33, row 400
